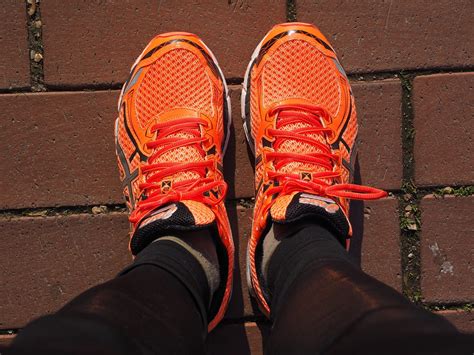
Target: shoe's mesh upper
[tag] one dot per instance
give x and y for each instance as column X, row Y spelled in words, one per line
column 349, row 136
column 125, row 142
column 201, row 213
column 297, row 69
column 254, row 113
column 350, row 133
column 176, row 80
column 278, row 210
column 297, row 146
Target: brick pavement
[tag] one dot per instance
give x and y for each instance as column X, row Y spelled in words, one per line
column 412, row 74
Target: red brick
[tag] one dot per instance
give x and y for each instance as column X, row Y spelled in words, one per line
column 380, row 151
column 58, row 149
column 45, row 262
column 392, row 35
column 444, row 123
column 463, row 320
column 238, row 339
column 381, row 241
column 97, row 42
column 14, row 61
column 238, row 163
column 446, row 250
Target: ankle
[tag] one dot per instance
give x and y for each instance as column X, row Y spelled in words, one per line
column 191, row 259
column 299, row 247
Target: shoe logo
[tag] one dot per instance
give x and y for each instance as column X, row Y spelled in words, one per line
column 306, row 176
column 163, row 213
column 327, row 204
column 166, row 186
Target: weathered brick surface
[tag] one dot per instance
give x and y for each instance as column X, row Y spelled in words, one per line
column 238, row 163
column 96, row 42
column 380, row 151
column 14, row 61
column 446, row 249
column 444, row 123
column 463, row 320
column 392, row 35
column 45, row 262
column 381, row 242
column 58, row 149
column 241, row 303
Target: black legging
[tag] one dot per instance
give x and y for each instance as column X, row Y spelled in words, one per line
column 332, row 307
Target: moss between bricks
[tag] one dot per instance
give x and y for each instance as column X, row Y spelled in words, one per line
column 456, row 191
column 410, row 226
column 468, row 307
column 35, row 43
column 410, row 216
column 291, row 10
column 62, row 211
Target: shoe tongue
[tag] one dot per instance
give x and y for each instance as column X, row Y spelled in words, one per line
column 176, row 113
column 300, row 147
column 186, row 153
column 300, row 205
column 188, row 214
column 165, row 220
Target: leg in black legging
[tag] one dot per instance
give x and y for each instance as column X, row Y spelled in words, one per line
column 147, row 310
column 323, row 303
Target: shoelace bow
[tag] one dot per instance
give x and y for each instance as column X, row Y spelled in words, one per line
column 191, row 189
column 325, row 159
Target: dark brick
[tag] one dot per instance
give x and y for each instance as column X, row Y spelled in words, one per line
column 103, row 39
column 444, row 123
column 446, row 249
column 241, row 222
column 45, row 262
column 238, row 162
column 58, row 149
column 14, row 61
column 392, row 35
column 463, row 320
column 381, row 242
column 380, row 151
column 238, row 339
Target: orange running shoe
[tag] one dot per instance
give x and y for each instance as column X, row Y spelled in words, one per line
column 301, row 123
column 171, row 134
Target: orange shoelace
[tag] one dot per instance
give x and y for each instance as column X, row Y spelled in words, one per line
column 191, row 189
column 329, row 164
